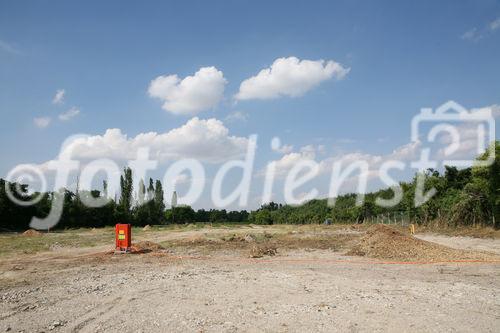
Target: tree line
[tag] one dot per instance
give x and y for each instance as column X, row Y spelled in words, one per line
column 469, row 196
column 146, row 207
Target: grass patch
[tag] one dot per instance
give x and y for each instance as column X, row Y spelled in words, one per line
column 16, row 243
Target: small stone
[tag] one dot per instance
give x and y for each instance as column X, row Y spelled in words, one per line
column 55, row 324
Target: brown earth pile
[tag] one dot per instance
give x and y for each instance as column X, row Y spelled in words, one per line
column 260, row 250
column 146, row 227
column 31, row 233
column 384, row 242
column 146, row 247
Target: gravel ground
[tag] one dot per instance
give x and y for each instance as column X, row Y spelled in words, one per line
column 295, row 291
column 464, row 243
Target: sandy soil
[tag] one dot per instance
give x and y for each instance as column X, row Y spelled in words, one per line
column 225, row 291
column 464, row 243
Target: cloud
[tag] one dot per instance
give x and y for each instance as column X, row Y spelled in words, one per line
column 8, row 47
column 289, row 77
column 495, row 24
column 469, row 145
column 309, row 151
column 73, row 112
column 42, row 122
column 191, row 95
column 289, row 160
column 405, row 153
column 472, row 35
column 182, row 179
column 495, row 110
column 277, row 147
column 237, row 116
column 476, row 34
column 205, row 140
column 285, row 149
column 59, row 97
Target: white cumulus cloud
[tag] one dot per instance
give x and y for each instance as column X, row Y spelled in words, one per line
column 191, row 95
column 59, row 96
column 405, row 153
column 284, row 149
column 472, row 34
column 205, row 140
column 290, row 159
column 73, row 112
column 42, row 122
column 279, row 148
column 289, row 77
column 237, row 116
column 495, row 24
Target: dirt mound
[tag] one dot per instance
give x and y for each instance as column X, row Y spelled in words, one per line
column 384, row 242
column 32, row 233
column 196, row 239
column 146, row 247
column 146, row 227
column 258, row 251
column 239, row 238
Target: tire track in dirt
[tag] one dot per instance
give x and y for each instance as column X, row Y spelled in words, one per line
column 93, row 319
column 93, row 314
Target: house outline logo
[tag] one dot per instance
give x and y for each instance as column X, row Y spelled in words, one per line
column 452, row 112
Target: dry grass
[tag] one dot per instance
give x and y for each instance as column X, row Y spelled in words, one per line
column 19, row 243
column 32, row 242
column 464, row 231
column 255, row 241
column 382, row 242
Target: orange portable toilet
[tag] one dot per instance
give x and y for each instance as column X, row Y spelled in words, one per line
column 123, row 237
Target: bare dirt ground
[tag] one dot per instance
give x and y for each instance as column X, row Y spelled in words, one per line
column 205, row 281
column 460, row 242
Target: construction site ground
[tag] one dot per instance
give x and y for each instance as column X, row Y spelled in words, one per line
column 247, row 278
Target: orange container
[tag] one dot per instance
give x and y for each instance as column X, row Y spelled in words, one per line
column 123, row 237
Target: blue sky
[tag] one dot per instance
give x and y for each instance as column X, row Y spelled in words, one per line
column 402, row 56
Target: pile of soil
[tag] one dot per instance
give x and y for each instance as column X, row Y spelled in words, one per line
column 146, row 247
column 146, row 227
column 196, row 240
column 239, row 238
column 31, row 233
column 258, row 251
column 384, row 242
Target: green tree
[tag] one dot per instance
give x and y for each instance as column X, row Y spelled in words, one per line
column 183, row 214
column 262, row 216
column 159, row 201
column 105, row 189
column 141, row 193
column 151, row 190
column 126, row 187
